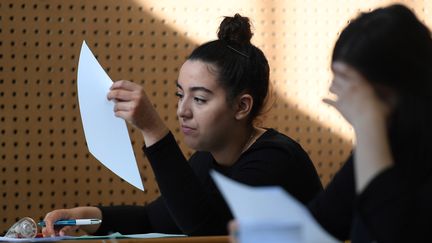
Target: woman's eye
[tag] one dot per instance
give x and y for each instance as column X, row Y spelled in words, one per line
column 179, row 95
column 199, row 100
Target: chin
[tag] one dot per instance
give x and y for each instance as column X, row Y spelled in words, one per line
column 197, row 145
column 192, row 143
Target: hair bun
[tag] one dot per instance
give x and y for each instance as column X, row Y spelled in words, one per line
column 235, row 29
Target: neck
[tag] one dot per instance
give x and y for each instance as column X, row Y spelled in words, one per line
column 240, row 140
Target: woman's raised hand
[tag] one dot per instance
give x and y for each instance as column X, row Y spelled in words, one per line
column 133, row 105
column 356, row 99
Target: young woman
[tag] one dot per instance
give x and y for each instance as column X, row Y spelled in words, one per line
column 382, row 65
column 221, row 89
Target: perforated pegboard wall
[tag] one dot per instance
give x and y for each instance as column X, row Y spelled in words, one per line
column 44, row 161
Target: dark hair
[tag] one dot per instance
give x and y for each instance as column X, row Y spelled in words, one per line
column 391, row 48
column 240, row 66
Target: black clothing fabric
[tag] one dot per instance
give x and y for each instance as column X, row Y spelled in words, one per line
column 191, row 204
column 394, row 207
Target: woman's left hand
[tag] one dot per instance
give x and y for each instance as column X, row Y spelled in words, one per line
column 356, row 99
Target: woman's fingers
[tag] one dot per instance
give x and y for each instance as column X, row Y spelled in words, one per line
column 346, row 79
column 65, row 230
column 330, row 102
column 356, row 99
column 125, row 84
column 51, row 218
column 119, row 95
column 133, row 105
column 125, row 95
column 346, row 72
column 339, row 85
column 124, row 106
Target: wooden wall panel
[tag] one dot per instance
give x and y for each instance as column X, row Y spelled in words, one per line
column 44, row 161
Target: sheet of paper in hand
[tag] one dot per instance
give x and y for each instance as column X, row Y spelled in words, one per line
column 106, row 135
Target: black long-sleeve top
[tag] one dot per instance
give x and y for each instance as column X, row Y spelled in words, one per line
column 191, row 204
column 396, row 206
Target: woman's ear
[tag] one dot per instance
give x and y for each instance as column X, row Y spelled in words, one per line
column 243, row 106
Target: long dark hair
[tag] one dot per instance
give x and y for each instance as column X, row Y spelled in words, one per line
column 239, row 65
column 393, row 49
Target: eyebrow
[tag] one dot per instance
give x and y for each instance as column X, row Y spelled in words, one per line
column 196, row 88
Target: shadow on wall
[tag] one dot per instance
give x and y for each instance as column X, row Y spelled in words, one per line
column 327, row 149
column 44, row 162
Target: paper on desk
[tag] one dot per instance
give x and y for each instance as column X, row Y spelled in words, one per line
column 106, row 135
column 91, row 237
column 269, row 214
column 131, row 236
column 46, row 239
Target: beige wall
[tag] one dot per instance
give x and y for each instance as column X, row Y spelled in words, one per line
column 44, row 161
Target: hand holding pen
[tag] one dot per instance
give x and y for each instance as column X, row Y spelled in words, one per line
column 72, row 222
column 85, row 218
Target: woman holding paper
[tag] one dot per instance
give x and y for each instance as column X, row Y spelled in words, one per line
column 382, row 65
column 221, row 89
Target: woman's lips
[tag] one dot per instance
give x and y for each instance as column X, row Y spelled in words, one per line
column 187, row 130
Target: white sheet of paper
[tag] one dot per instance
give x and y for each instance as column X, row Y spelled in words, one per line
column 118, row 235
column 269, row 214
column 106, row 135
column 92, row 237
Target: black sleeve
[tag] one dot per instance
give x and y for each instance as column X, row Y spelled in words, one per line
column 151, row 218
column 333, row 208
column 187, row 200
column 395, row 207
column 193, row 200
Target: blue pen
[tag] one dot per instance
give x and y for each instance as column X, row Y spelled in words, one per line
column 72, row 222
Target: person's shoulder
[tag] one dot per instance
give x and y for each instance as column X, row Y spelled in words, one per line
column 272, row 134
column 275, row 140
column 280, row 159
column 275, row 149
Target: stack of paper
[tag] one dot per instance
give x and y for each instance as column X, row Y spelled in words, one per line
column 269, row 214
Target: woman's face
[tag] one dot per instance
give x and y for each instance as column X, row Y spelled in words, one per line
column 357, row 97
column 384, row 93
column 205, row 116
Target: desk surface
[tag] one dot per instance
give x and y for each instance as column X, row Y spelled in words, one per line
column 203, row 239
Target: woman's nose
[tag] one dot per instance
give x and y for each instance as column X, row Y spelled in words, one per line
column 183, row 109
